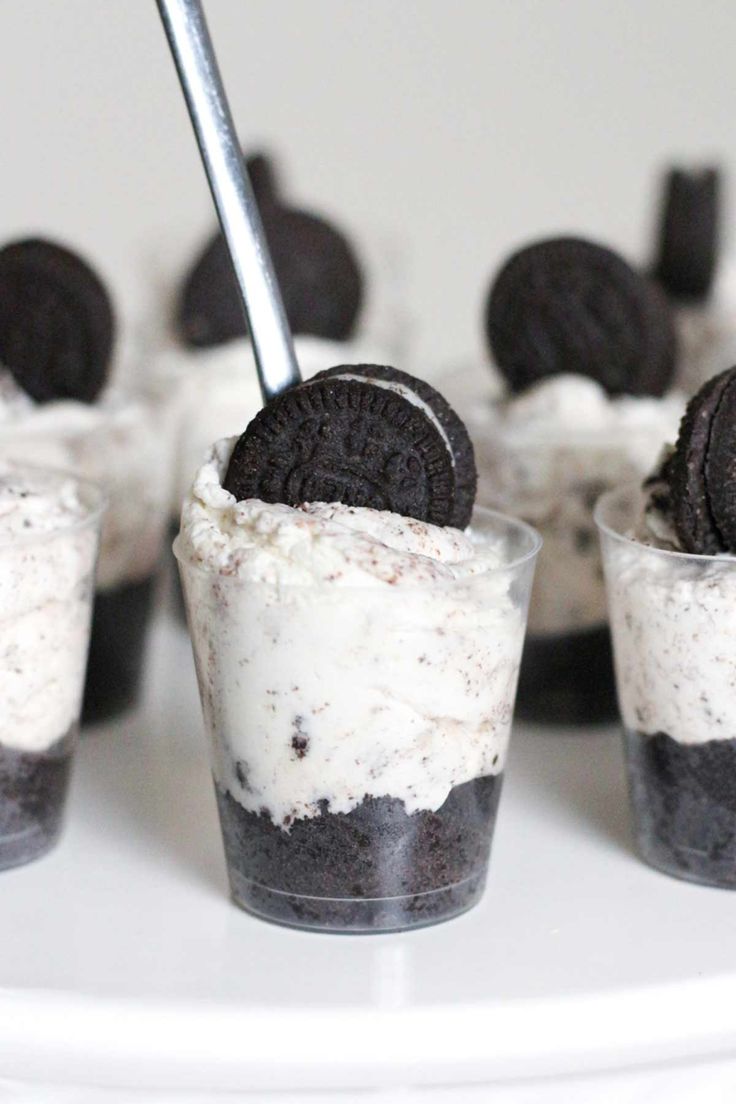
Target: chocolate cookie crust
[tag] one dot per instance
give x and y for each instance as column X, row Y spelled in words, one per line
column 33, row 788
column 684, row 801
column 376, row 868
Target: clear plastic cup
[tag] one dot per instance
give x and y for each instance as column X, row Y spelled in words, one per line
column 123, row 443
column 46, row 589
column 674, row 639
column 566, row 673
column 358, row 735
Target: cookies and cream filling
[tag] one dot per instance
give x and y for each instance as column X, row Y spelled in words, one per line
column 675, row 642
column 117, row 442
column 57, row 409
column 547, row 454
column 672, row 613
column 47, row 559
column 418, row 633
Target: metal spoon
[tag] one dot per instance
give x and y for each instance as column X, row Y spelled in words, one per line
column 237, row 210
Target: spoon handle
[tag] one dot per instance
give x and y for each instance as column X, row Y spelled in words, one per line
column 196, row 64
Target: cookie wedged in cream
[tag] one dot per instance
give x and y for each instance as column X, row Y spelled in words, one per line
column 47, row 559
column 345, row 652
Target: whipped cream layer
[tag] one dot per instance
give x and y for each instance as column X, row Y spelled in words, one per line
column 345, row 652
column 547, row 455
column 119, row 442
column 47, row 560
column 674, row 634
column 214, row 392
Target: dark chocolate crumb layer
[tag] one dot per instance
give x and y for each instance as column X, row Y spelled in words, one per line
column 120, row 620
column 567, row 678
column 376, row 868
column 33, row 789
column 683, row 798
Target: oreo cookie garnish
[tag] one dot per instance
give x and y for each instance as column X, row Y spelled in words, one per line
column 569, row 305
column 319, row 275
column 263, row 178
column 720, row 468
column 688, row 233
column 346, row 441
column 703, row 469
column 466, row 476
column 657, row 487
column 56, row 322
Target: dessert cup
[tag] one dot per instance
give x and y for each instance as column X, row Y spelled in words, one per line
column 566, row 673
column 674, row 643
column 358, row 735
column 46, row 588
column 122, row 443
column 551, row 475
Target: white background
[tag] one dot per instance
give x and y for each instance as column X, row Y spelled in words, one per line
column 467, row 126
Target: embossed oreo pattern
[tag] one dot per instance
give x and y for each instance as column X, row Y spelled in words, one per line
column 56, row 322
column 703, row 470
column 345, row 441
column 319, row 275
column 466, row 476
column 570, row 306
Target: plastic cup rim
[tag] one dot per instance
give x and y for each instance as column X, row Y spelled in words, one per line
column 479, row 512
column 94, row 511
column 622, row 490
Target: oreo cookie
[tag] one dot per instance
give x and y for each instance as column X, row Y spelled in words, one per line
column 346, row 441
column 687, row 252
column 466, row 476
column 569, row 305
column 56, row 322
column 720, row 468
column 263, row 177
column 317, row 270
column 703, row 469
